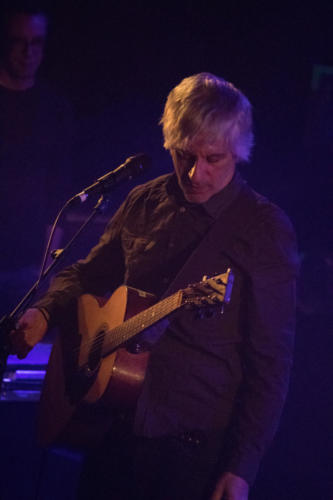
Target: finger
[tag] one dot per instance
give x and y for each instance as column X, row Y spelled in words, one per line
column 20, row 348
column 18, row 344
column 24, row 353
column 218, row 492
column 16, row 335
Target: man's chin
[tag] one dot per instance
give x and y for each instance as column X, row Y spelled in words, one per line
column 193, row 196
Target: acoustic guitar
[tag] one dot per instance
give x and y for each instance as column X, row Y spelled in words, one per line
column 97, row 364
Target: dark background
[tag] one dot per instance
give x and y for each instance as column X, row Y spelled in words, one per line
column 117, row 61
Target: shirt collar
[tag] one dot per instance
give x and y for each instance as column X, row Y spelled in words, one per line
column 221, row 200
column 217, row 203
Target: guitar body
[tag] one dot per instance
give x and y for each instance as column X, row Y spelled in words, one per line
column 81, row 387
column 91, row 371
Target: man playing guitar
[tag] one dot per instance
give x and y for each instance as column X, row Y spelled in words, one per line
column 215, row 383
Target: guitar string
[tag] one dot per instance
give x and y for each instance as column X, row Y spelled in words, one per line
column 140, row 322
column 119, row 334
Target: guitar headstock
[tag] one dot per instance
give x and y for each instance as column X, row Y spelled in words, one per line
column 210, row 291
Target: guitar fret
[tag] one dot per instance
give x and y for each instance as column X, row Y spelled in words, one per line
column 141, row 321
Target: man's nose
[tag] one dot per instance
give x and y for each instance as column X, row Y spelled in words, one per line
column 197, row 171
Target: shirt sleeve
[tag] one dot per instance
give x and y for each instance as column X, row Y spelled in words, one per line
column 268, row 348
column 101, row 271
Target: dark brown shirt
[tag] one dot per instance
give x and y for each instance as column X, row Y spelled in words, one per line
column 224, row 374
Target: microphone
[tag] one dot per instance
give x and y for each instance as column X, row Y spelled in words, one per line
column 133, row 166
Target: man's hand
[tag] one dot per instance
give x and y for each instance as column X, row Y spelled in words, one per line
column 231, row 487
column 30, row 329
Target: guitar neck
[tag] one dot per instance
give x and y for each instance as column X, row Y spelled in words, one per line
column 124, row 332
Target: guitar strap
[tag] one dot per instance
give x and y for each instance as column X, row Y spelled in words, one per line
column 225, row 236
column 223, row 245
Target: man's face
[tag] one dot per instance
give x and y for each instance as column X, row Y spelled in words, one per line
column 203, row 168
column 24, row 47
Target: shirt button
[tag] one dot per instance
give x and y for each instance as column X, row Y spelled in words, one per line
column 171, row 244
column 182, row 210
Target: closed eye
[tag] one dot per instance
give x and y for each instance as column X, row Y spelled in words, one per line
column 216, row 158
column 185, row 156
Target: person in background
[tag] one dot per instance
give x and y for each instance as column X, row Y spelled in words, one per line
column 37, row 130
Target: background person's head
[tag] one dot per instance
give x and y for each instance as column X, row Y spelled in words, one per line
column 23, row 32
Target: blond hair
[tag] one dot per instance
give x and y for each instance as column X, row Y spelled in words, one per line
column 204, row 104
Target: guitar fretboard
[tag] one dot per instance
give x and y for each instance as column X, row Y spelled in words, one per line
column 140, row 322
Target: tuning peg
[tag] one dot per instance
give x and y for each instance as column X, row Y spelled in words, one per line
column 205, row 277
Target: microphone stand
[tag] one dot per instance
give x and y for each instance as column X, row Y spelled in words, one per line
column 7, row 323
